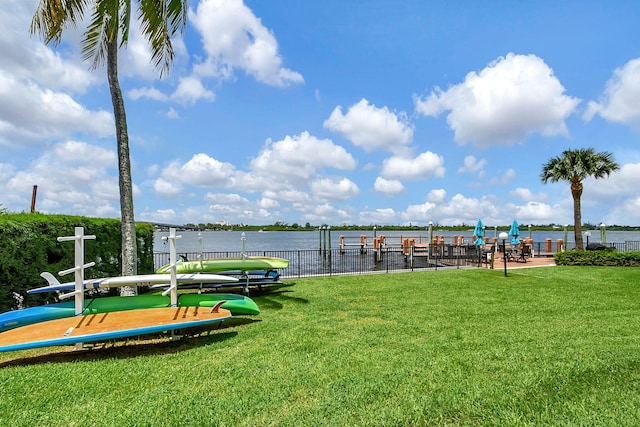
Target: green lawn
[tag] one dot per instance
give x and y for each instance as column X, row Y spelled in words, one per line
column 544, row 346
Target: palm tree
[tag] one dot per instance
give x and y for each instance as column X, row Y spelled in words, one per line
column 107, row 32
column 574, row 166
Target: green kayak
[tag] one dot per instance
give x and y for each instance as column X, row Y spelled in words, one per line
column 228, row 264
column 236, row 304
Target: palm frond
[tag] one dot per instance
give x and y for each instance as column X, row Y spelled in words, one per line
column 125, row 21
column 160, row 20
column 576, row 165
column 52, row 16
column 94, row 48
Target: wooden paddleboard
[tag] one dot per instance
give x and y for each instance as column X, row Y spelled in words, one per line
column 236, row 304
column 106, row 326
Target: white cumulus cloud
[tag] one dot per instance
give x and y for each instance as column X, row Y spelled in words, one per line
column 66, row 180
column 234, row 38
column 370, row 127
column 190, row 90
column 166, row 188
column 30, row 114
column 621, row 99
column 288, row 196
column 511, row 98
column 527, row 195
column 388, row 187
column 472, row 165
column 624, row 182
column 147, row 92
column 378, row 216
column 335, row 188
column 425, row 165
column 201, row 170
column 438, row 195
column 422, row 212
column 299, row 157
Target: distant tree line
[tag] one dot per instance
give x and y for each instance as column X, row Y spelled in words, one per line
column 283, row 226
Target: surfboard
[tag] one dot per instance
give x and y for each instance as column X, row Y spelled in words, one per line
column 137, row 280
column 107, row 326
column 216, row 265
column 236, row 304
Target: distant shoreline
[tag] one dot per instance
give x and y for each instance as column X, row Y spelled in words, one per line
column 463, row 228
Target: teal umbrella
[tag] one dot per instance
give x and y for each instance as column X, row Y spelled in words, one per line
column 514, row 232
column 479, row 233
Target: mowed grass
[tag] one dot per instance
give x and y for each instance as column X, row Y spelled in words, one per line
column 544, row 346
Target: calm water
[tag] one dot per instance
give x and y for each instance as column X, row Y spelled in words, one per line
column 214, row 241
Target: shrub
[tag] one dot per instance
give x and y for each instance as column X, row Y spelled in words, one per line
column 30, row 246
column 609, row 257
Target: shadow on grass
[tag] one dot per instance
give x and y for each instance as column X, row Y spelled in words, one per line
column 276, row 299
column 126, row 348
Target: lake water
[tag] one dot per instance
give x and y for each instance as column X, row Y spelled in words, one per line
column 215, row 241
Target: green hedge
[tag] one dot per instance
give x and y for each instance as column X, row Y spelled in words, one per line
column 29, row 246
column 609, row 257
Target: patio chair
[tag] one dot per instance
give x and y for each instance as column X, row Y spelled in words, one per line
column 488, row 249
column 524, row 253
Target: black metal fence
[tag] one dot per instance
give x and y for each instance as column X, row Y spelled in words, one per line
column 328, row 262
column 548, row 248
column 629, row 246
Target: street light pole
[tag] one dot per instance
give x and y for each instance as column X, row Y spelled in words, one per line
column 503, row 236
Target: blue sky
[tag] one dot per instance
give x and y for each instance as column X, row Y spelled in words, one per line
column 333, row 112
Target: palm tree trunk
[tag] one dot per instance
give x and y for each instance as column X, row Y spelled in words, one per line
column 129, row 262
column 576, row 192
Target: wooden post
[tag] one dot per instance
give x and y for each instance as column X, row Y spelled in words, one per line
column 34, row 193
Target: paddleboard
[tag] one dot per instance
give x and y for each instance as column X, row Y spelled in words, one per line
column 216, row 265
column 107, row 326
column 262, row 273
column 236, row 304
column 138, row 280
column 251, row 281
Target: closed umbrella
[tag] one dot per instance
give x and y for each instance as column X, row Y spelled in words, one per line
column 479, row 233
column 603, row 234
column 430, row 232
column 514, row 232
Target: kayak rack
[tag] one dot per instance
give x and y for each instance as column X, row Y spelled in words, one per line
column 173, row 287
column 78, row 238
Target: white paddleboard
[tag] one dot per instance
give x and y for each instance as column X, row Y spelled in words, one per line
column 137, row 280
